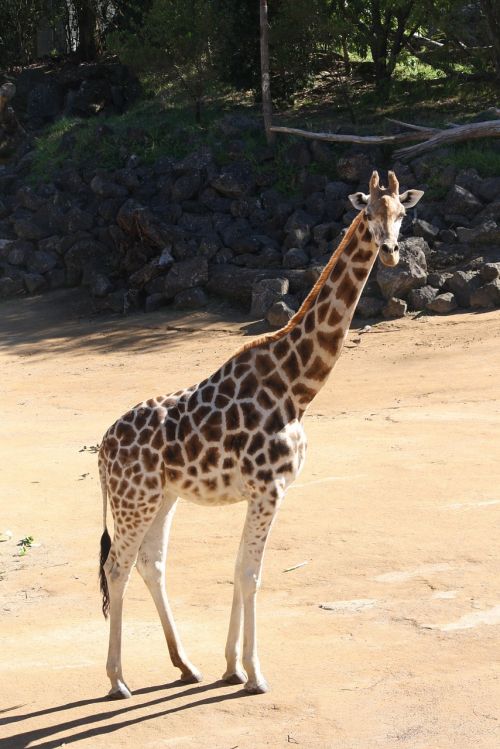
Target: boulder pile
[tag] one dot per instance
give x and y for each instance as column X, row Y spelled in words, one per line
column 181, row 230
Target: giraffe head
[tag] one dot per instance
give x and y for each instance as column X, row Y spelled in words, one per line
column 384, row 209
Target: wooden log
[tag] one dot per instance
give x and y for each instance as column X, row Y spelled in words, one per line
column 471, row 131
column 365, row 140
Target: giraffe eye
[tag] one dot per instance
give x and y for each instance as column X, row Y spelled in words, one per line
column 368, row 214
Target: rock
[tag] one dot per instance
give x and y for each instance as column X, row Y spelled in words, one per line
column 462, row 284
column 448, row 236
column 235, row 180
column 438, row 280
column 42, row 262
column 137, row 220
column 56, row 278
column 194, row 298
column 27, row 198
column 20, row 252
column 490, row 213
column 86, row 256
column 154, row 302
column 489, row 189
column 196, row 224
column 107, row 189
column 369, row 306
column 35, row 282
column 185, row 275
column 488, row 272
column 144, row 275
column 279, row 314
column 443, row 303
column 486, row 233
column 421, row 228
column 44, row 102
column 394, row 308
column 28, row 229
column 201, row 159
column 10, row 287
column 186, row 187
column 315, row 205
column 460, row 201
column 79, row 220
column 470, row 179
column 410, row 273
column 100, row 286
column 311, row 183
column 118, row 301
column 295, row 258
column 354, row 168
column 265, row 293
column 418, row 299
column 486, row 296
column 298, row 228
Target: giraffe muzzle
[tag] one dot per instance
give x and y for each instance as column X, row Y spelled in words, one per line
column 389, row 254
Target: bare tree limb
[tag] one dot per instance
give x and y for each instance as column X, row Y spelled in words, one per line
column 366, row 140
column 472, row 131
column 419, row 128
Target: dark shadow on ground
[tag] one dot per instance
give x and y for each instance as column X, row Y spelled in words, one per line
column 60, row 322
column 87, row 723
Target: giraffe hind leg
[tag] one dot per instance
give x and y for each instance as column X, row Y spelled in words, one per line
column 151, row 562
column 129, row 531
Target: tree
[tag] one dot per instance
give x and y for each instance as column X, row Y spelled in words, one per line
column 491, row 10
column 177, row 37
column 264, row 62
column 384, row 27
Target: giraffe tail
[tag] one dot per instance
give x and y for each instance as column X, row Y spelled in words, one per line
column 105, row 541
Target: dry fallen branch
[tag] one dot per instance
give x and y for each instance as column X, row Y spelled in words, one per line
column 366, row 140
column 431, row 137
column 472, row 131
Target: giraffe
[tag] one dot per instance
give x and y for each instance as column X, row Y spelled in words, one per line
column 237, row 436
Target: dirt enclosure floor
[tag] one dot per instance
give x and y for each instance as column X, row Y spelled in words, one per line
column 396, row 515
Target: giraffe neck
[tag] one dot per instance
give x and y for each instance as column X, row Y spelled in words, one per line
column 312, row 342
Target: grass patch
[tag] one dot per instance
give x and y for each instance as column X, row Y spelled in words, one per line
column 160, row 124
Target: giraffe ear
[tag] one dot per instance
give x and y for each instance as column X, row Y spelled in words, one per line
column 359, row 200
column 410, row 198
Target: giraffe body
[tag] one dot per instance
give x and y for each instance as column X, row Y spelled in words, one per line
column 237, row 436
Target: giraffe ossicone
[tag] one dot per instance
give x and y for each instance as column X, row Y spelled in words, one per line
column 237, row 436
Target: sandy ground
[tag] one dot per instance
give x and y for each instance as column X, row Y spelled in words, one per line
column 396, row 514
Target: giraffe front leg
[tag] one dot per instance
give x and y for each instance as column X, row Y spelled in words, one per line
column 234, row 674
column 260, row 515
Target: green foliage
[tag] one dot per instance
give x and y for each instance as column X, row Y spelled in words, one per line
column 299, row 31
column 19, row 22
column 175, row 36
column 484, row 157
column 25, row 544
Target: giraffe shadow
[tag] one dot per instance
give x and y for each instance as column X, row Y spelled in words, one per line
column 98, row 724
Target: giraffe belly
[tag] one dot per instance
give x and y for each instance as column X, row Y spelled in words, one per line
column 212, row 489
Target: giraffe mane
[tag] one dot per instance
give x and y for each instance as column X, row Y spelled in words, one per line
column 310, row 298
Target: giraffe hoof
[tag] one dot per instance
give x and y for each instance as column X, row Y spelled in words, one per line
column 192, row 677
column 234, row 677
column 257, row 687
column 121, row 692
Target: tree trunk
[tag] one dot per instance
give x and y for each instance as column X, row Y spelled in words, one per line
column 88, row 41
column 267, row 107
column 492, row 12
